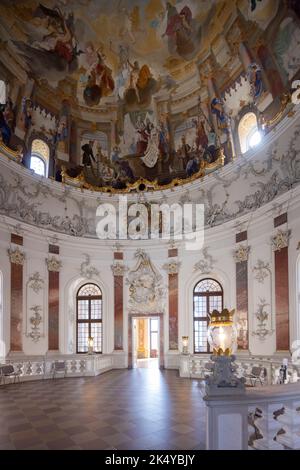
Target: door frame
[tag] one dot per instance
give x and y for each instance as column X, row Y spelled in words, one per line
column 160, row 317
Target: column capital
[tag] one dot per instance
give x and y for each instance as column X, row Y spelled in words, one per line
column 16, row 256
column 118, row 269
column 241, row 253
column 53, row 264
column 281, row 239
column 172, row 267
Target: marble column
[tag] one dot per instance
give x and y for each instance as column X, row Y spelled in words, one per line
column 118, row 270
column 172, row 268
column 17, row 258
column 241, row 259
column 280, row 243
column 53, row 265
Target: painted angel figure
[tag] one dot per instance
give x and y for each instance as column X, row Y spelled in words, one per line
column 182, row 31
column 255, row 80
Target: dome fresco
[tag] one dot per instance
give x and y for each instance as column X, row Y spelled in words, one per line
column 143, row 95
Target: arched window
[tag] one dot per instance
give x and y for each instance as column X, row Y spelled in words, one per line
column 39, row 159
column 249, row 134
column 208, row 296
column 2, row 92
column 89, row 318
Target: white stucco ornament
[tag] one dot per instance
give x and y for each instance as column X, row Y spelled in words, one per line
column 53, row 264
column 281, row 240
column 16, row 256
column 146, row 290
column 241, row 254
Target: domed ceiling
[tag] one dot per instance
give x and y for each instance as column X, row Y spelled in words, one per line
column 140, row 89
column 62, row 37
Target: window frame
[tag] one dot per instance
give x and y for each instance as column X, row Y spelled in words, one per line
column 37, row 154
column 90, row 320
column 206, row 294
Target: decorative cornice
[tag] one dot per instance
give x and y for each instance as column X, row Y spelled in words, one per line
column 241, row 253
column 118, row 269
column 53, row 264
column 281, row 240
column 172, row 267
column 16, row 256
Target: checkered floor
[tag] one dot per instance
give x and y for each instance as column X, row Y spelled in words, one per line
column 136, row 409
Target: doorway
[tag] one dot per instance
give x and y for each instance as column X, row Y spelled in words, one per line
column 145, row 341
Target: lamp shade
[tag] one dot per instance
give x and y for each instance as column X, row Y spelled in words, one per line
column 222, row 333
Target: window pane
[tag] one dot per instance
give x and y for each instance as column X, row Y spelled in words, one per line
column 83, row 309
column 83, row 334
column 154, row 340
column 215, row 303
column 200, row 336
column 96, row 309
column 96, row 333
column 89, row 289
column 200, row 306
column 38, row 165
column 208, row 285
column 154, row 324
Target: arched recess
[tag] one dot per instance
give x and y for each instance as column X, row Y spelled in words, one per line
column 248, row 132
column 228, row 299
column 68, row 319
column 39, row 157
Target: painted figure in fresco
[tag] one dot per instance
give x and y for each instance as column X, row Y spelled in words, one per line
column 115, row 156
column 134, row 78
column 255, row 80
column 27, row 112
column 4, row 127
column 144, row 129
column 218, row 110
column 62, row 134
column 100, row 82
column 131, row 23
column 55, row 51
column 201, row 137
column 151, row 154
column 182, row 31
column 274, row 78
column 163, row 141
column 286, row 47
column 184, row 152
column 192, row 166
column 10, row 114
column 88, row 154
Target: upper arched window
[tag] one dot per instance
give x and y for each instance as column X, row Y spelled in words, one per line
column 39, row 159
column 249, row 134
column 89, row 318
column 2, row 92
column 208, row 296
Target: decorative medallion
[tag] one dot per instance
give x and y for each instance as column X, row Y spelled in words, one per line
column 35, row 321
column 206, row 264
column 36, row 282
column 86, row 269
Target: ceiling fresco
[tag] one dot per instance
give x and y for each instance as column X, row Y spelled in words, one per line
column 101, row 43
column 124, row 91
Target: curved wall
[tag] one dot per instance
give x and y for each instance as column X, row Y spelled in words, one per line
column 265, row 180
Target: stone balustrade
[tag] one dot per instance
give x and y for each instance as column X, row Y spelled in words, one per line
column 41, row 367
column 197, row 367
column 263, row 418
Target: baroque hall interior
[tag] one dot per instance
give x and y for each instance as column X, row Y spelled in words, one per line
column 149, row 225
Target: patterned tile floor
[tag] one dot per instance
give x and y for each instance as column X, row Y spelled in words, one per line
column 136, row 409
